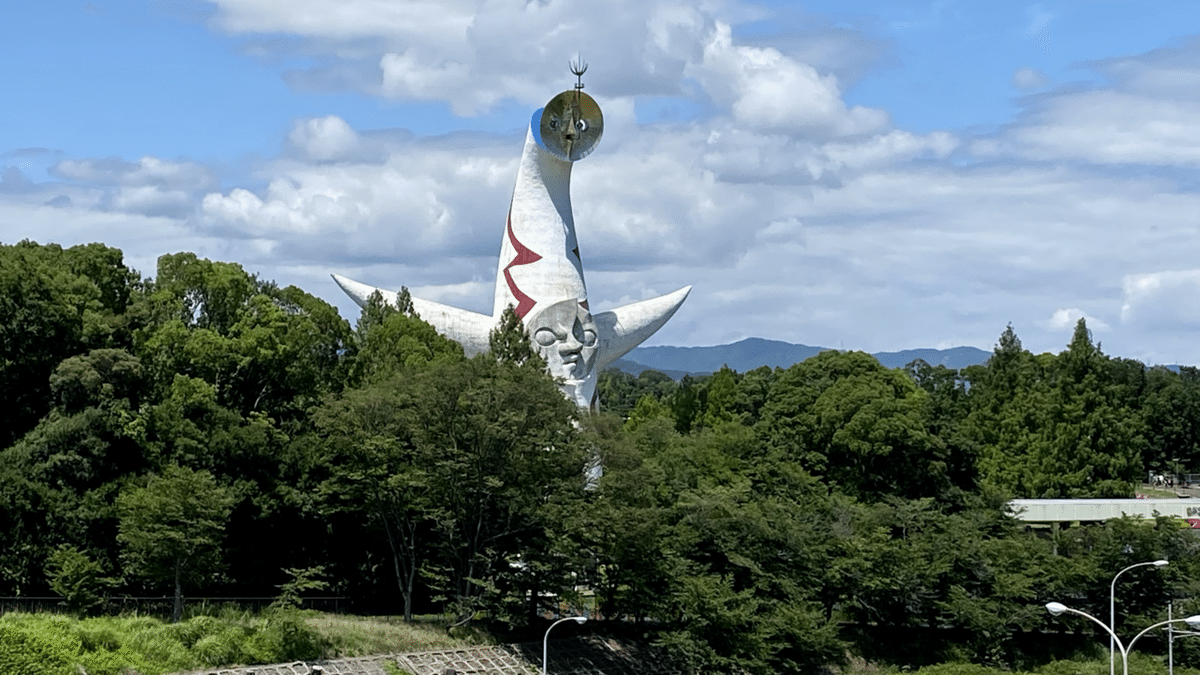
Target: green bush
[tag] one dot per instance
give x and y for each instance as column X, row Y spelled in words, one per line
column 32, row 652
column 284, row 636
column 189, row 632
column 960, row 669
column 78, row 578
column 224, row 647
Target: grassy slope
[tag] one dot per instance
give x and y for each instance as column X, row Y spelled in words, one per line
column 53, row 644
column 49, row 644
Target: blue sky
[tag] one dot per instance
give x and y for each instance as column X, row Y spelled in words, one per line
column 868, row 175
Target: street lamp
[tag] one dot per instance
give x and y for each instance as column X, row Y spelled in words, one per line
column 1112, row 612
column 1057, row 608
column 545, row 639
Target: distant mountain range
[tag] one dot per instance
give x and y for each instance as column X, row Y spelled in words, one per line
column 752, row 353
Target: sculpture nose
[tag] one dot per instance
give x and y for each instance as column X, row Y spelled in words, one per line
column 570, row 344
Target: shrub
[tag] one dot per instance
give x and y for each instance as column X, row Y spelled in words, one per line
column 284, row 636
column 32, row 652
column 78, row 578
column 959, row 669
column 224, row 647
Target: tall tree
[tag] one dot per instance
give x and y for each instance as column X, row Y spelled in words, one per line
column 863, row 427
column 54, row 304
column 171, row 528
column 1057, row 426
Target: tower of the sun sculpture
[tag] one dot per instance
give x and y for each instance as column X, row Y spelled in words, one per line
column 540, row 272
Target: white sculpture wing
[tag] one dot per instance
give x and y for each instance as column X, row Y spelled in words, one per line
column 624, row 328
column 467, row 328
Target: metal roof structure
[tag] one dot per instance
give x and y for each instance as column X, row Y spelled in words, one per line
column 1071, row 510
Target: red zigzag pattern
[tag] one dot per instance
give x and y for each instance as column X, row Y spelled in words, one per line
column 524, row 256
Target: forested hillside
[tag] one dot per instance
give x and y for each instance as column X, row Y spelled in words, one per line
column 208, row 433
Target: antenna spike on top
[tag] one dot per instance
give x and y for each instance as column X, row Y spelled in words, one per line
column 578, row 68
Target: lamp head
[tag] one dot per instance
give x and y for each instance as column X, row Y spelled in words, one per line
column 1161, row 563
column 1055, row 608
column 1193, row 621
column 581, row 619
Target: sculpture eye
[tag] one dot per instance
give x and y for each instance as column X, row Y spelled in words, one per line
column 589, row 338
column 545, row 337
column 553, row 124
column 581, row 125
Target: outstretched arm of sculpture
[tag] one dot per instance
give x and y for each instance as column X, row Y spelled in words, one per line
column 624, row 328
column 467, row 328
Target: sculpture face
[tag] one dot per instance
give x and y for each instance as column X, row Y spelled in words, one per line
column 570, row 126
column 565, row 336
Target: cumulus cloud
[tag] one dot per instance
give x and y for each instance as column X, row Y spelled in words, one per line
column 474, row 55
column 796, row 215
column 1066, row 319
column 847, row 52
column 426, row 199
column 1162, row 300
column 767, row 90
column 329, row 139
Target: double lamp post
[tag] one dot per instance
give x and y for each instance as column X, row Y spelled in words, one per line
column 1057, row 608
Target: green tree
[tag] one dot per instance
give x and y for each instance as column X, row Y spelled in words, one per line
column 379, row 473
column 78, row 579
column 1057, row 426
column 509, row 342
column 620, row 391
column 171, row 528
column 390, row 340
column 54, row 304
column 861, row 426
column 461, row 465
column 302, row 579
column 1171, row 419
column 1009, row 402
column 1093, row 443
column 720, row 399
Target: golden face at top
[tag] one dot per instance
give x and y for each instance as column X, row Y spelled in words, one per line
column 571, row 125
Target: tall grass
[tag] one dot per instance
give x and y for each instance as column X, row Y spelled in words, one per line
column 53, row 644
column 1142, row 664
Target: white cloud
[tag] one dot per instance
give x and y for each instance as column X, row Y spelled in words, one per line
column 1169, row 72
column 1066, row 319
column 1110, row 127
column 1147, row 116
column 1029, row 78
column 767, row 90
column 1162, row 300
column 795, row 215
column 476, row 54
column 146, row 171
column 326, row 138
column 152, row 201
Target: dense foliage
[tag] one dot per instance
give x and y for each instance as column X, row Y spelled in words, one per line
column 207, row 432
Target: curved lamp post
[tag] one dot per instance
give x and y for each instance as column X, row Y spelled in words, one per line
column 1112, row 614
column 579, row 619
column 1057, row 608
